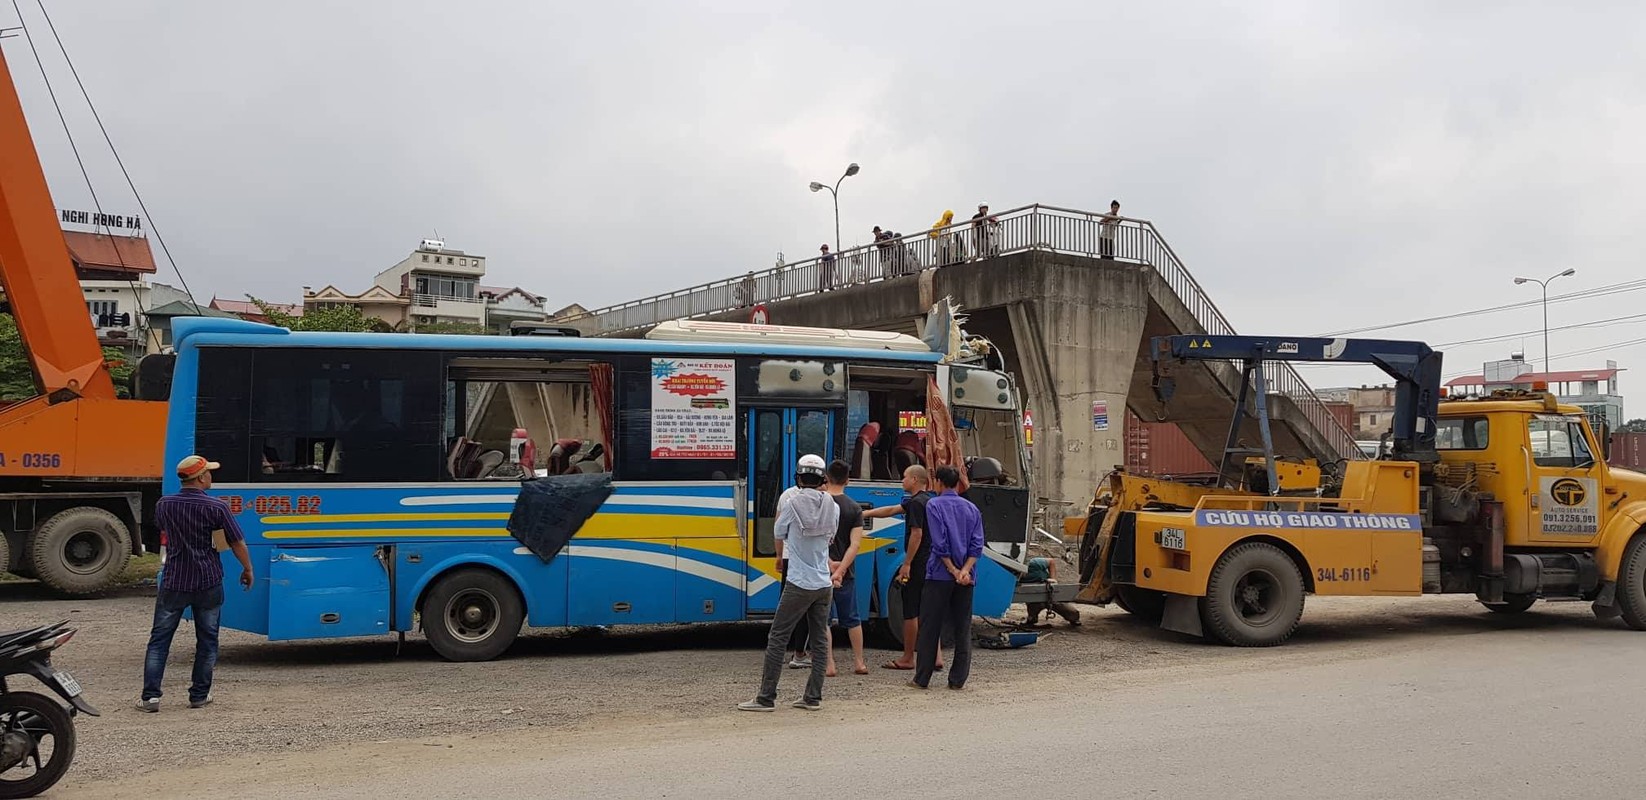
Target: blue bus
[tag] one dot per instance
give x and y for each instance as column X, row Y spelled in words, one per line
column 375, row 474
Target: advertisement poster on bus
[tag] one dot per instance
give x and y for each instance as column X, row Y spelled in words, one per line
column 694, row 411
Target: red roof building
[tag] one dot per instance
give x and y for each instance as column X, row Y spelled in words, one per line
column 98, row 256
column 247, row 310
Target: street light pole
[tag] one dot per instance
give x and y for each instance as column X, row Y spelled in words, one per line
column 851, row 169
column 1544, row 285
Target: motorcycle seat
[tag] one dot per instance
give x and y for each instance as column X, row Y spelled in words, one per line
column 15, row 638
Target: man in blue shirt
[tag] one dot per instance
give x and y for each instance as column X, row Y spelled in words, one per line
column 806, row 522
column 191, row 522
column 956, row 530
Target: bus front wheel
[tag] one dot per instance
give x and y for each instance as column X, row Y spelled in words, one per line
column 472, row 615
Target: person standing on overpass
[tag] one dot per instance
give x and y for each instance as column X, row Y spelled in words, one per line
column 956, row 528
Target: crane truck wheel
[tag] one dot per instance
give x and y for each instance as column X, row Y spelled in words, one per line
column 1512, row 603
column 1254, row 597
column 1631, row 583
column 1145, row 604
column 80, row 550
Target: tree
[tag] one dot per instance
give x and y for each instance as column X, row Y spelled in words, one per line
column 466, row 328
column 17, row 376
column 335, row 318
column 1634, row 426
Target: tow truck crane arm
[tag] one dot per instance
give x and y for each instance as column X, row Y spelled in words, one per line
column 1414, row 366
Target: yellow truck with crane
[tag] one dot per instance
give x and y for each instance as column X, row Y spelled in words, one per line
column 1505, row 496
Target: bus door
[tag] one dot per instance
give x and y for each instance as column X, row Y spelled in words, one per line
column 778, row 437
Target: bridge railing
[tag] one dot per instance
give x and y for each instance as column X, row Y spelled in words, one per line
column 1028, row 228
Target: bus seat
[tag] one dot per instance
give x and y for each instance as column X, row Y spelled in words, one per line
column 907, row 452
column 461, row 458
column 863, row 451
column 488, row 461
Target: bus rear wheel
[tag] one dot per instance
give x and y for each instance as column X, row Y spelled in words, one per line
column 472, row 615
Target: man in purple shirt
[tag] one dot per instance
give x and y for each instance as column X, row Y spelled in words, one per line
column 955, row 527
column 192, row 578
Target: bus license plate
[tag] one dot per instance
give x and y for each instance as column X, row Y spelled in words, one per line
column 68, row 683
column 1172, row 539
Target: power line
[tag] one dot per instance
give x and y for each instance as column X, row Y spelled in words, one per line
column 1598, row 291
column 75, row 148
column 1503, row 337
column 116, row 153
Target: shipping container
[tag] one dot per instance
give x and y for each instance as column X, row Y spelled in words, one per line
column 1160, row 449
column 1629, row 451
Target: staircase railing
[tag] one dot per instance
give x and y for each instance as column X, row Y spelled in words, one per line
column 1028, row 228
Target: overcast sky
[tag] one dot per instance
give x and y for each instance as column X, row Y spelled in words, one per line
column 1318, row 166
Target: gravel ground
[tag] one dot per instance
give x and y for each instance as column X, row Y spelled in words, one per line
column 284, row 697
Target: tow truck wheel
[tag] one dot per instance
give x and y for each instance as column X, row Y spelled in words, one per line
column 1631, row 583
column 1145, row 604
column 80, row 550
column 1254, row 597
column 1512, row 603
column 472, row 615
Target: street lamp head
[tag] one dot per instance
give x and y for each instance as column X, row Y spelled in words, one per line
column 816, row 187
column 1518, row 281
column 1569, row 271
column 851, row 169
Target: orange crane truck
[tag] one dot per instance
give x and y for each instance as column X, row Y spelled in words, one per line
column 79, row 466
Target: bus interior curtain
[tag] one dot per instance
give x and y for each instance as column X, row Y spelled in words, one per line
column 942, row 443
column 550, row 511
column 600, row 380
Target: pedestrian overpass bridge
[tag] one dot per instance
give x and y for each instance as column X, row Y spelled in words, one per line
column 1073, row 315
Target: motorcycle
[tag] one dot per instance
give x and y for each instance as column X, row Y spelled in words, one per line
column 36, row 732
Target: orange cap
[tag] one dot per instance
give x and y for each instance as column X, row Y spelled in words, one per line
column 193, row 466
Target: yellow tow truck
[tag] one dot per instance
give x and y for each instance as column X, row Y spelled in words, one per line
column 1506, row 496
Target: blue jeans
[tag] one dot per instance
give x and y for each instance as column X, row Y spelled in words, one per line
column 845, row 604
column 207, row 605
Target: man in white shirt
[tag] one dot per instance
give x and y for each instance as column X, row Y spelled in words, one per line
column 806, row 523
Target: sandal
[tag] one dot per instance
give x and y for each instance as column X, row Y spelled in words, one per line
column 893, row 665
column 860, row 671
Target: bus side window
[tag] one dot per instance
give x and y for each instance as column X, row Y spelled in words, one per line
column 369, row 415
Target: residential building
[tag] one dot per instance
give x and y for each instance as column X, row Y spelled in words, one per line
column 1593, row 390
column 505, row 306
column 1373, row 408
column 375, row 303
column 435, row 285
column 252, row 312
column 160, row 318
column 442, row 285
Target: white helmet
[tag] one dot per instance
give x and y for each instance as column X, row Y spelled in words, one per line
column 811, row 465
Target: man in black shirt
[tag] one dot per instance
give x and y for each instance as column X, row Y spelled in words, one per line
column 911, row 577
column 842, row 552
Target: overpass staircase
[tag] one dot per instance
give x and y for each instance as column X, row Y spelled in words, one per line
column 1205, row 397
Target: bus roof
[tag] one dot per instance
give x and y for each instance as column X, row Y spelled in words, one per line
column 687, row 330
column 198, row 331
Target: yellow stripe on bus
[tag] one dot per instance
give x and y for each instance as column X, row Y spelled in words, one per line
column 600, row 526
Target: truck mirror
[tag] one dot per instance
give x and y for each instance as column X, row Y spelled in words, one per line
column 1605, row 434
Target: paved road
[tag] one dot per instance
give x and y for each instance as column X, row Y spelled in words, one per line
column 1548, row 711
